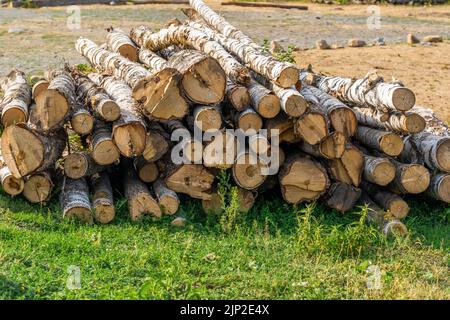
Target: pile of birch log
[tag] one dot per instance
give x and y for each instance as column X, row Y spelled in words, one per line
column 104, row 131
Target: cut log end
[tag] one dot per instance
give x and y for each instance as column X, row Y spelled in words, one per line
column 109, row 110
column 82, row 123
column 208, row 119
column 269, row 106
column 22, row 150
column 205, row 82
column 105, row 153
column 288, row 77
column 249, row 121
column 128, row 51
column 248, row 172
column 441, row 187
column 312, row 127
column 403, row 99
column 169, row 205
column 13, row 115
column 130, row 139
column 443, row 154
column 239, row 97
column 415, row 123
column 50, row 110
column 104, row 213
column 333, row 146
column 81, row 214
column 415, row 179
column 398, row 208
column 391, row 144
column 160, row 95
column 395, row 228
column 295, row 106
column 344, row 120
column 383, row 173
column 12, row 185
column 37, row 188
column 148, row 172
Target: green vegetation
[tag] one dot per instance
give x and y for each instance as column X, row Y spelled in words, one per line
column 275, row 251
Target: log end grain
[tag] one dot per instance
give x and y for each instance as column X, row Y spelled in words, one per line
column 248, row 171
column 13, row 115
column 109, row 110
column 12, row 185
column 239, row 97
column 249, row 120
column 105, row 153
column 269, row 106
column 344, row 120
column 148, row 172
column 312, row 127
column 296, row 106
column 333, row 146
column 391, row 144
column 288, row 77
column 37, row 188
column 50, row 110
column 130, row 139
column 443, row 154
column 82, row 123
column 414, row 123
column 75, row 165
column 104, row 213
column 415, row 178
column 395, row 228
column 383, row 173
column 403, row 99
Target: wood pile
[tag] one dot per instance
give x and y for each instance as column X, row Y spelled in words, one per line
column 202, row 91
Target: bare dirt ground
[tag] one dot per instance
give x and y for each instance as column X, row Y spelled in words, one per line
column 42, row 38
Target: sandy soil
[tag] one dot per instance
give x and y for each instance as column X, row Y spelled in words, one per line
column 46, row 40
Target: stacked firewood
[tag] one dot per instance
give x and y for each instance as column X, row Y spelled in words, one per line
column 121, row 123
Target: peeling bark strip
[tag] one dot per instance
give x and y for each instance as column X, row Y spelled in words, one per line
column 102, row 198
column 74, row 200
column 440, row 187
column 426, row 148
column 190, row 37
column 157, row 92
column 369, row 91
column 384, row 141
column 167, row 199
column 129, row 131
column 27, row 151
column 283, row 74
column 16, row 98
column 302, row 179
column 38, row 187
column 140, row 201
column 96, row 99
column 118, row 41
column 392, row 203
column 377, row 216
column 341, row 117
column 341, row 196
column 398, row 122
column 54, row 103
column 434, row 125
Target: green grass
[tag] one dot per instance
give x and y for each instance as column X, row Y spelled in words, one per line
column 276, row 251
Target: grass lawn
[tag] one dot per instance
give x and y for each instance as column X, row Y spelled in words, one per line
column 276, row 251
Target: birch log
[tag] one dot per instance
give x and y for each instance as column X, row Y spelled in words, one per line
column 392, row 203
column 74, row 200
column 342, row 118
column 283, row 74
column 369, row 91
column 378, row 170
column 38, row 187
column 102, row 198
column 10, row 184
column 302, row 179
column 398, row 122
column 384, row 141
column 129, row 131
column 26, row 151
column 96, row 99
column 349, row 167
column 167, row 199
column 158, row 92
column 54, row 103
column 101, row 146
column 237, row 95
column 186, row 36
column 16, row 98
column 118, row 41
column 249, row 172
column 426, row 148
column 440, row 187
column 341, row 196
column 140, row 201
column 377, row 216
column 434, row 125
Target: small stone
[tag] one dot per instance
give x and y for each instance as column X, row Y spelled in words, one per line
column 112, row 3
column 426, row 44
column 433, row 39
column 16, row 30
column 379, row 42
column 322, row 45
column 355, row 43
column 275, row 47
column 179, row 222
column 411, row 39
